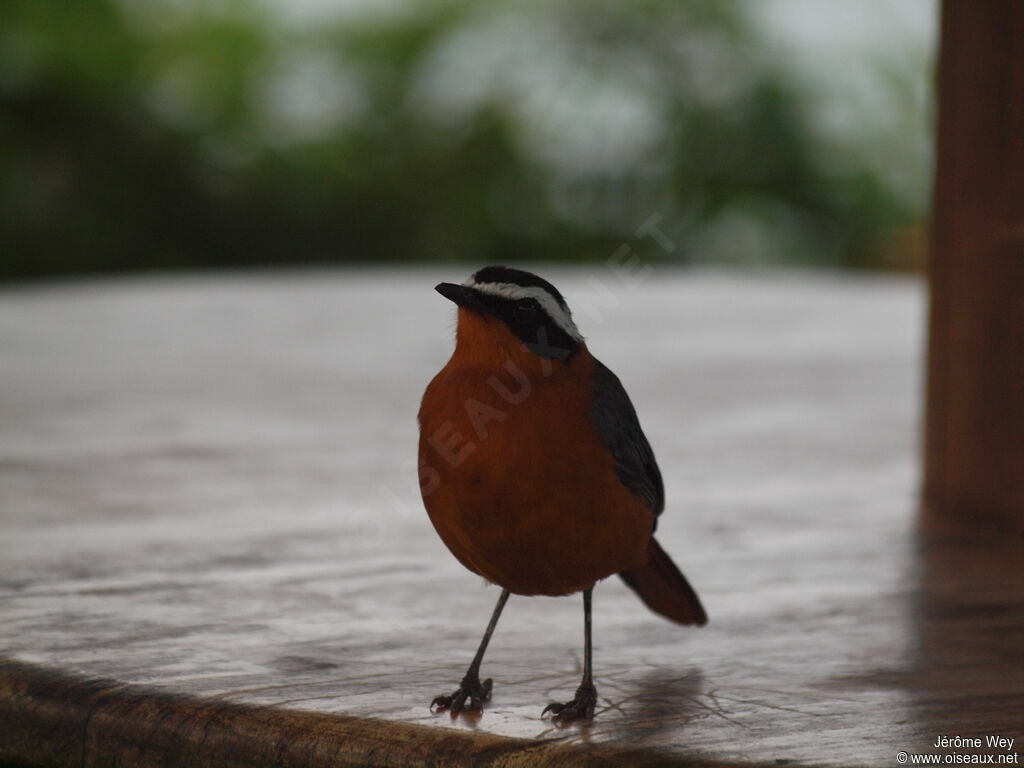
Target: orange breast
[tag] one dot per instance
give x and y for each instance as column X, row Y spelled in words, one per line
column 513, row 472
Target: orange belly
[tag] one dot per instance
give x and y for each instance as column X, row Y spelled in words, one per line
column 516, row 480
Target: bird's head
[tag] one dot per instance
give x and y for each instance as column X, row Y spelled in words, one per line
column 514, row 309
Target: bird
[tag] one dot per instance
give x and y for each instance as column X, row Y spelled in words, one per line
column 534, row 470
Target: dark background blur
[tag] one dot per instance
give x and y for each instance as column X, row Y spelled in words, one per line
column 155, row 134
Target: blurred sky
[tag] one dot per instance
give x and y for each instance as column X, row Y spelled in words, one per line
column 152, row 134
column 825, row 44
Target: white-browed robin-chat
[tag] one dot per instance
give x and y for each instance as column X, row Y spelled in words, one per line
column 534, row 469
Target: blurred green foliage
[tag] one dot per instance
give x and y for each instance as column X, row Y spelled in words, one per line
column 179, row 133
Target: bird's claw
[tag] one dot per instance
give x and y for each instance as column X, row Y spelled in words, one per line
column 468, row 697
column 580, row 708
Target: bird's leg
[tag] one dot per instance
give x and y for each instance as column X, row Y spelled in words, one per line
column 582, row 705
column 471, row 693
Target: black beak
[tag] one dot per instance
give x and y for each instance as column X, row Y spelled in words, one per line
column 461, row 295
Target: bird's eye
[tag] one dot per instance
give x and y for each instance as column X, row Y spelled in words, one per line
column 525, row 312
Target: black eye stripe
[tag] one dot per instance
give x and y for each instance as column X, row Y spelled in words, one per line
column 525, row 311
column 505, row 298
column 539, row 331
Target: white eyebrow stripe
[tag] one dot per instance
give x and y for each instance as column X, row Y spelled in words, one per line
column 560, row 315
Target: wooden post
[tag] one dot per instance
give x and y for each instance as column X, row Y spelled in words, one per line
column 974, row 441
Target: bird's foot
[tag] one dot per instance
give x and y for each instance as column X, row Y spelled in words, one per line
column 580, row 708
column 468, row 697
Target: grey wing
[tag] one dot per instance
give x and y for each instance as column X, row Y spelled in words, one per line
column 620, row 429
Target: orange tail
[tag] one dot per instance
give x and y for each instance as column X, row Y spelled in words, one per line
column 664, row 589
